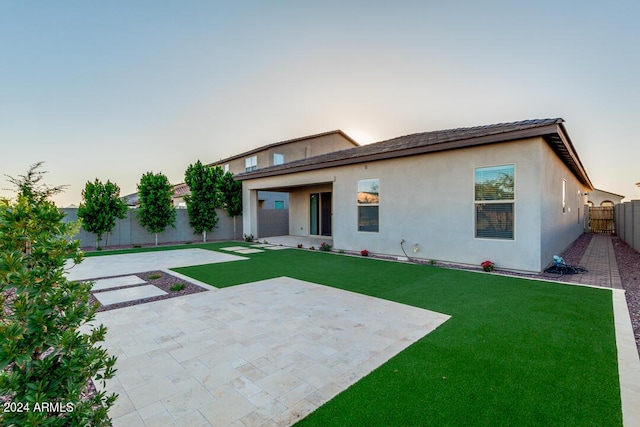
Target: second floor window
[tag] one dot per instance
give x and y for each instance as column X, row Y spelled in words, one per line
column 251, row 163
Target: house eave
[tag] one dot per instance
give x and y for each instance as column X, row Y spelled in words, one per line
column 554, row 134
column 280, row 143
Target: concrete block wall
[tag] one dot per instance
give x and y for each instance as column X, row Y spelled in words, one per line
column 273, row 222
column 128, row 230
column 627, row 222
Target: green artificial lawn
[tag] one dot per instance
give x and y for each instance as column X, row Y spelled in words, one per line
column 211, row 246
column 515, row 352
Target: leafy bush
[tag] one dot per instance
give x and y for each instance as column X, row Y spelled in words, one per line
column 487, row 265
column 177, row 287
column 154, row 276
column 45, row 357
column 325, row 247
column 364, row 252
column 101, row 205
column 204, row 197
column 248, row 237
column 155, row 212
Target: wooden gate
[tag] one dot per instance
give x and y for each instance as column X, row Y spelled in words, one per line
column 601, row 219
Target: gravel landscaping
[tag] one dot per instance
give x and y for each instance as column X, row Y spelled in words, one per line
column 628, row 261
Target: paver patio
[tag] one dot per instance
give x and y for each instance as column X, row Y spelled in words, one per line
column 182, row 363
column 115, row 265
column 263, row 353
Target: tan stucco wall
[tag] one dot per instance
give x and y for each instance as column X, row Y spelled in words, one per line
column 559, row 229
column 299, row 207
column 429, row 200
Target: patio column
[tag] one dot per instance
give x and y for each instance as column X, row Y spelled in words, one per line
column 249, row 211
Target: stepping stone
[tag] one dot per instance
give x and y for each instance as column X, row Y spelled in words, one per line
column 277, row 248
column 233, row 248
column 245, row 251
column 261, row 245
column 128, row 294
column 117, row 282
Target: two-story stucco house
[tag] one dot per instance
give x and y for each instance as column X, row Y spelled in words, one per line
column 513, row 193
column 275, row 154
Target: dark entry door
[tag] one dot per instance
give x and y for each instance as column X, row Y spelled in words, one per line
column 325, row 214
column 314, row 214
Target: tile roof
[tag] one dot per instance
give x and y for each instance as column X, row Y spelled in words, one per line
column 420, row 143
column 288, row 141
column 182, row 189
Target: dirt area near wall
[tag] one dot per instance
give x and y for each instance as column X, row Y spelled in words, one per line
column 628, row 260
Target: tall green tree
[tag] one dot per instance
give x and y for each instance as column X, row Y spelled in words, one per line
column 231, row 195
column 156, row 212
column 44, row 356
column 101, row 205
column 203, row 182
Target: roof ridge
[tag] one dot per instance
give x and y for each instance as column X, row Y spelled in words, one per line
column 422, row 143
column 287, row 141
column 478, row 127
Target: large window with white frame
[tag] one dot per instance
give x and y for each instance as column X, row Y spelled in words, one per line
column 368, row 202
column 494, row 200
column 251, row 163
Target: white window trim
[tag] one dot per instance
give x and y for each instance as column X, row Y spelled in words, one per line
column 251, row 163
column 358, row 205
column 476, row 202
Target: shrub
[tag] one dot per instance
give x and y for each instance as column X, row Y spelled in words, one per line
column 177, row 287
column 101, row 206
column 204, row 197
column 364, row 252
column 487, row 265
column 248, row 237
column 312, row 248
column 49, row 352
column 154, row 276
column 155, row 213
column 325, row 247
column 299, row 245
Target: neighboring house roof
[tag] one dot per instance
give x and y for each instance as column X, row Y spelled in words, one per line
column 289, row 141
column 131, row 199
column 182, row 189
column 552, row 130
column 609, row 192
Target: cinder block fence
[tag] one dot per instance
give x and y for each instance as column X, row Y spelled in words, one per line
column 128, row 231
column 627, row 222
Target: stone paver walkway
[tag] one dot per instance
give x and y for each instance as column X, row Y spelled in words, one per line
column 128, row 294
column 261, row 354
column 600, row 261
